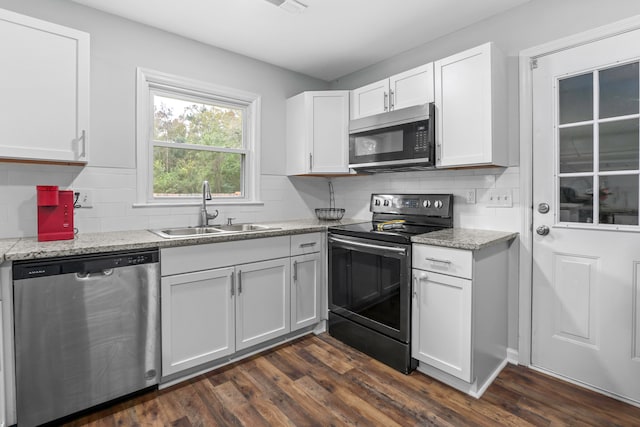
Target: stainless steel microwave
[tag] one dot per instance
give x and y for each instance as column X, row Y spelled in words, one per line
column 394, row 141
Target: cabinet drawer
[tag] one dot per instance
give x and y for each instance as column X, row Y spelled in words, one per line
column 302, row 244
column 186, row 259
column 454, row 262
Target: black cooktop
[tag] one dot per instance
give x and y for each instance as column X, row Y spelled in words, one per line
column 368, row 230
column 398, row 217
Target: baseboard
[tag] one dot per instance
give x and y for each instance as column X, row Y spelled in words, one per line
column 587, row 386
column 513, row 356
column 474, row 389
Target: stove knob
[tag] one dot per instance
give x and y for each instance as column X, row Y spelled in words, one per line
column 438, row 204
column 426, row 203
column 377, row 202
column 386, row 203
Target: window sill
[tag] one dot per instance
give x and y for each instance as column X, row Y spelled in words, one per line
column 210, row 203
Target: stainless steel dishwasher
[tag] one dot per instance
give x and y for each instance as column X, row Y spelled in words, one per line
column 86, row 331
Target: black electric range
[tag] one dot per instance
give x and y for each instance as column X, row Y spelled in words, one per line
column 370, row 274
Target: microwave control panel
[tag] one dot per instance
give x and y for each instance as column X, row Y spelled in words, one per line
column 421, row 135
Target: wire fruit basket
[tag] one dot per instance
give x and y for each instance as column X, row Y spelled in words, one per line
column 331, row 213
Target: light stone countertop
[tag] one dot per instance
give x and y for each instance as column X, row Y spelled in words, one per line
column 464, row 238
column 85, row 243
column 6, row 245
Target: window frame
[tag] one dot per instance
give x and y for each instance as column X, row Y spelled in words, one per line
column 150, row 83
column 595, row 173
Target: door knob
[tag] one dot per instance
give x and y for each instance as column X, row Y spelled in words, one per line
column 543, row 230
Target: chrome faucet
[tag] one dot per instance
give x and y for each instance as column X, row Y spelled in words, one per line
column 204, row 215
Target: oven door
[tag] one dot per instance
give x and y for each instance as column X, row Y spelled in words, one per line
column 369, row 283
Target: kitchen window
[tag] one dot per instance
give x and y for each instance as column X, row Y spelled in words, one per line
column 191, row 131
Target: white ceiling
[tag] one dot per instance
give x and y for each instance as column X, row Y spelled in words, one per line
column 330, row 39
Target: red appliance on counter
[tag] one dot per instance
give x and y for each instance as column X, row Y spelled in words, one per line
column 55, row 213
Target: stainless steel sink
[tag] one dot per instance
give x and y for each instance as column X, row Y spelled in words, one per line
column 244, row 227
column 173, row 233
column 181, row 232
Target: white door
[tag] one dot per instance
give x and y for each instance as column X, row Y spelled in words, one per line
column 370, row 99
column 586, row 319
column 197, row 318
column 329, row 131
column 44, row 82
column 441, row 322
column 305, row 290
column 412, row 87
column 263, row 302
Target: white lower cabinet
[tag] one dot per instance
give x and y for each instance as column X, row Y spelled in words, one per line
column 306, row 281
column 441, row 333
column 262, row 302
column 459, row 314
column 223, row 298
column 198, row 318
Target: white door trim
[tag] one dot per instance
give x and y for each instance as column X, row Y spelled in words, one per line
column 526, row 164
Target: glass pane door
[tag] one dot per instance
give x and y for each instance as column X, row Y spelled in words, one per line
column 598, row 138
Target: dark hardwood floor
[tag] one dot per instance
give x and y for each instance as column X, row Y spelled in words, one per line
column 318, row 381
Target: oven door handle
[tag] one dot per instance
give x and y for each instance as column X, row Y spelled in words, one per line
column 402, row 251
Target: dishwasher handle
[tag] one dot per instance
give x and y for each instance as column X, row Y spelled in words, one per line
column 94, row 274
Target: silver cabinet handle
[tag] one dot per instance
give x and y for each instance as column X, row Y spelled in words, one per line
column 233, row 284
column 386, row 101
column 239, row 282
column 310, row 161
column 443, row 261
column 307, row 245
column 84, row 143
column 391, row 106
column 295, row 271
column 402, row 251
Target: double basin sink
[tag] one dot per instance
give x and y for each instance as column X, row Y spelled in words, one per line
column 174, row 233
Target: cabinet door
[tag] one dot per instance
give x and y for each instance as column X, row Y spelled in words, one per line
column 197, row 318
column 412, row 87
column 370, row 99
column 44, row 81
column 329, row 131
column 470, row 108
column 441, row 322
column 263, row 301
column 305, row 290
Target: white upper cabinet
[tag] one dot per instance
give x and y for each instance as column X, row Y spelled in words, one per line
column 370, row 99
column 44, row 82
column 318, row 133
column 470, row 99
column 406, row 89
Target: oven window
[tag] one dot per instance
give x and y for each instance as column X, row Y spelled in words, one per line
column 387, row 142
column 368, row 285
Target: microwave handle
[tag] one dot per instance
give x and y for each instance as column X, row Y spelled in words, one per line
column 431, row 128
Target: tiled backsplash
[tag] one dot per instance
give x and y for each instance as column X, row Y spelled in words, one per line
column 353, row 193
column 114, row 194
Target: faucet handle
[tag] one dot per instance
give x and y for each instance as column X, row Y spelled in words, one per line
column 229, row 220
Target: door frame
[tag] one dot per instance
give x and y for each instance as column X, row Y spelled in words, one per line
column 525, row 60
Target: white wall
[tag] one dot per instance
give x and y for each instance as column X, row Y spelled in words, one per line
column 118, row 46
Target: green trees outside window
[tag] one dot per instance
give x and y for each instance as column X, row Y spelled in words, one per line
column 197, row 141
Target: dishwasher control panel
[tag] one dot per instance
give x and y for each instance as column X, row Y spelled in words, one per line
column 82, row 264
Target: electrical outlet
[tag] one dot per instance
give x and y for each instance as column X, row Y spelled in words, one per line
column 499, row 198
column 470, row 196
column 85, row 198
